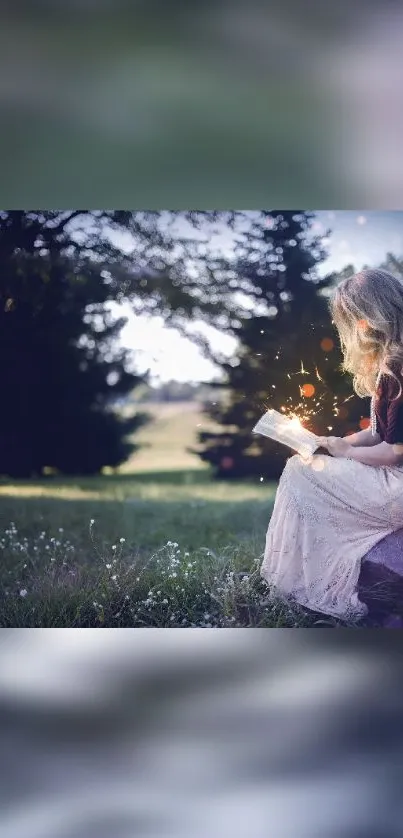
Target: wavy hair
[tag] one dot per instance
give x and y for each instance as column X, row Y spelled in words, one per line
column 367, row 310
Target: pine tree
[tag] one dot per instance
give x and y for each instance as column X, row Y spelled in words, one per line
column 60, row 367
column 289, row 356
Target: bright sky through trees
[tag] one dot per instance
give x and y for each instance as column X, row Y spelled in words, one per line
column 356, row 238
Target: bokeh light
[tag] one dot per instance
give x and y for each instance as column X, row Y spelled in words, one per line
column 364, row 424
column 308, row 390
column 227, row 462
column 327, row 344
column 318, row 463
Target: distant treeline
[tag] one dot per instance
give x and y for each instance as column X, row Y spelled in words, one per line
column 175, row 391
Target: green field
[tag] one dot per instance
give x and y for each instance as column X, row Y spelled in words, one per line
column 168, row 546
column 173, row 429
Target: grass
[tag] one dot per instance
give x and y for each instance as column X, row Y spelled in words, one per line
column 168, row 547
column 174, row 429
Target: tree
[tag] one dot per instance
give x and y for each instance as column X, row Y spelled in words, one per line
column 58, row 271
column 289, row 356
column 153, row 259
column 60, row 367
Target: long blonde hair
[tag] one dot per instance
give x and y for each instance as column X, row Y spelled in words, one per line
column 367, row 310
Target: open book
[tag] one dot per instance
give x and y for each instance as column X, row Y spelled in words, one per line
column 287, row 431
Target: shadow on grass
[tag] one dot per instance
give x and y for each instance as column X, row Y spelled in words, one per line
column 176, row 477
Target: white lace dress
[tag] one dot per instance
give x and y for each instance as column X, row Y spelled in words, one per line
column 328, row 513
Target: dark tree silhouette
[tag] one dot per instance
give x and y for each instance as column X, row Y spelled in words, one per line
column 60, row 366
column 289, row 357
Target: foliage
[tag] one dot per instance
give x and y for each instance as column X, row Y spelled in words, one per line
column 60, row 367
column 288, row 356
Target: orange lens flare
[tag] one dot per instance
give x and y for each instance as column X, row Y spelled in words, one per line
column 364, row 424
column 307, row 390
column 327, row 344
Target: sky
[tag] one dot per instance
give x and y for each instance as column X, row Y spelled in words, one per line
column 356, row 237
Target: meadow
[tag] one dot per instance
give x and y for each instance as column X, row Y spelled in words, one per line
column 157, row 544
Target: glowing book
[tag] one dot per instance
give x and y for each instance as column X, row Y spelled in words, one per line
column 288, row 431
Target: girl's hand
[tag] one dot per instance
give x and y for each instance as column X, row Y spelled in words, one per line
column 336, row 446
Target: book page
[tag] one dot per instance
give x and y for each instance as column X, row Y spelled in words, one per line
column 288, row 431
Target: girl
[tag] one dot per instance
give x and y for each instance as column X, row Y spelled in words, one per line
column 330, row 511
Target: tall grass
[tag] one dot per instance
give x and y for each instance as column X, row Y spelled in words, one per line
column 172, row 550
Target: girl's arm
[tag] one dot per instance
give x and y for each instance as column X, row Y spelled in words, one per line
column 363, row 438
column 377, row 455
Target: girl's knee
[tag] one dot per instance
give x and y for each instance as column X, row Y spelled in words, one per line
column 293, row 463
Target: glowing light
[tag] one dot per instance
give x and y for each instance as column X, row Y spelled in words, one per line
column 327, row 344
column 361, row 219
column 288, row 375
column 295, row 421
column 317, row 374
column 364, row 424
column 261, row 479
column 330, row 427
column 302, row 371
column 307, row 390
column 318, row 463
